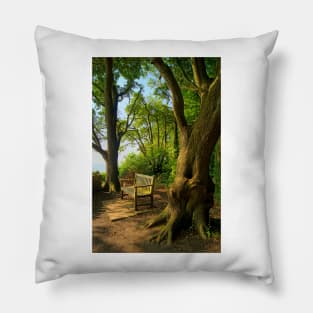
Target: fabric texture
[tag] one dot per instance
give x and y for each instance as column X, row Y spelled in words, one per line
column 65, row 236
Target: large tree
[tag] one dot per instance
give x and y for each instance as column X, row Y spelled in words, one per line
column 113, row 81
column 191, row 194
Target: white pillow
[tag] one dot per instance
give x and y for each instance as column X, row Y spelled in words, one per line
column 65, row 239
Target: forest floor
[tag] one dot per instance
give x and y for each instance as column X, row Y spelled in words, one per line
column 129, row 235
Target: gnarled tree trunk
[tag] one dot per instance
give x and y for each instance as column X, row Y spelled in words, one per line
column 190, row 197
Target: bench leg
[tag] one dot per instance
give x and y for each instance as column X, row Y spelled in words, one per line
column 151, row 201
column 122, row 194
column 135, row 199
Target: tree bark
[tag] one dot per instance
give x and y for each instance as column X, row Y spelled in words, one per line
column 111, row 118
column 190, row 197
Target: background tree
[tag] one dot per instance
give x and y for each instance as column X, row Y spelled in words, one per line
column 152, row 133
column 113, row 81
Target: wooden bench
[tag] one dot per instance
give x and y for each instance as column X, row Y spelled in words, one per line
column 142, row 186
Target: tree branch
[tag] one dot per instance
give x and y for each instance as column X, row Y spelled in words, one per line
column 129, row 119
column 98, row 100
column 149, row 122
column 98, row 86
column 95, row 136
column 139, row 141
column 104, row 153
column 125, row 91
column 177, row 97
column 212, row 98
column 192, row 86
column 96, row 144
column 199, row 72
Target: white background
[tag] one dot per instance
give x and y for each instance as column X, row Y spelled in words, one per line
column 288, row 154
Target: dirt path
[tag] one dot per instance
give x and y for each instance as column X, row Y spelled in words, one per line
column 129, row 234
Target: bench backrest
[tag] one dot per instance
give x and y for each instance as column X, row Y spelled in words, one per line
column 143, row 180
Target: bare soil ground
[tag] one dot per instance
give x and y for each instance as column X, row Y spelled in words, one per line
column 129, row 234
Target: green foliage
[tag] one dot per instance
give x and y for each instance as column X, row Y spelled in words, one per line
column 129, row 69
column 98, row 181
column 192, row 106
column 211, row 66
column 135, row 163
column 152, row 133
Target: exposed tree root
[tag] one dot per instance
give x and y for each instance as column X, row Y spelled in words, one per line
column 161, row 218
column 186, row 206
column 200, row 220
column 203, row 231
column 166, row 233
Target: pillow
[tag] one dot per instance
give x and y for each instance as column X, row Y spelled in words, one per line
column 185, row 117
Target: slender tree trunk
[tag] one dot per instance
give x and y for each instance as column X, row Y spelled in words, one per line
column 190, row 197
column 111, row 117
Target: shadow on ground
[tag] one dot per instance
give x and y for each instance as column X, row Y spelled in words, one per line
column 129, row 235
